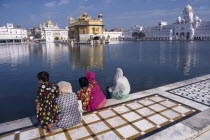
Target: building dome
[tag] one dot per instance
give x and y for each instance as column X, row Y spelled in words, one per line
column 100, row 16
column 196, row 18
column 71, row 19
column 188, row 8
column 49, row 22
column 56, row 25
column 84, row 14
column 179, row 19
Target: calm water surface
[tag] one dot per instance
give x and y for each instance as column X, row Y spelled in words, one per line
column 147, row 64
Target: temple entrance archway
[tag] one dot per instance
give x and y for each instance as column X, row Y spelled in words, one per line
column 56, row 38
column 182, row 35
column 96, row 38
column 188, row 35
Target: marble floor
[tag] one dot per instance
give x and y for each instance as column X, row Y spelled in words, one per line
column 198, row 92
column 204, row 136
column 138, row 118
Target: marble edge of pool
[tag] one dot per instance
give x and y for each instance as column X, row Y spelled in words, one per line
column 200, row 125
column 184, row 83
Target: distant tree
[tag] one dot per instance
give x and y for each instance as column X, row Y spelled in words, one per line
column 141, row 35
column 37, row 36
column 135, row 35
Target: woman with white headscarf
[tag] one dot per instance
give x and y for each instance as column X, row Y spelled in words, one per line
column 121, row 88
column 68, row 105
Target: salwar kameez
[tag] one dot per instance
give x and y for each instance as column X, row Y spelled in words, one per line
column 119, row 96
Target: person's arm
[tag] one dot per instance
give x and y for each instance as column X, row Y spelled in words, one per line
column 38, row 98
column 56, row 88
column 38, row 106
column 86, row 95
column 79, row 94
column 117, row 87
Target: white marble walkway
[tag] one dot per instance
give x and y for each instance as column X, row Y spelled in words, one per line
column 184, row 106
column 204, row 136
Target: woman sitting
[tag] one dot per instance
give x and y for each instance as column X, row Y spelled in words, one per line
column 90, row 93
column 121, row 88
column 67, row 103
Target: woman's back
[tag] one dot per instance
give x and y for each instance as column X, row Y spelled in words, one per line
column 97, row 98
column 67, row 103
column 123, row 85
column 70, row 115
column 121, row 88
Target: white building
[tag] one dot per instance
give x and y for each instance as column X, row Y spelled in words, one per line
column 162, row 31
column 9, row 34
column 128, row 34
column 112, row 35
column 191, row 27
column 52, row 33
column 187, row 27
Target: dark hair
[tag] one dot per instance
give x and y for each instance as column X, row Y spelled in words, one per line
column 83, row 81
column 44, row 76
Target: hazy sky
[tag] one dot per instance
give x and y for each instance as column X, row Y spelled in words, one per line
column 117, row 13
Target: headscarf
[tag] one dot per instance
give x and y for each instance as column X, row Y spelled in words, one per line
column 65, row 87
column 118, row 74
column 90, row 76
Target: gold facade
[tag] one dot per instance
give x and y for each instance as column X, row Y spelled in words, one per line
column 85, row 25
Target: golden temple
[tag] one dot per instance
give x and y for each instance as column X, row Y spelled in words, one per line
column 85, row 28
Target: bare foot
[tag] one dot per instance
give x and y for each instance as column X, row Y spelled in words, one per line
column 49, row 132
column 49, row 126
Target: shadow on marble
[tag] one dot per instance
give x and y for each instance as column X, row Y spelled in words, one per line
column 199, row 122
column 176, row 132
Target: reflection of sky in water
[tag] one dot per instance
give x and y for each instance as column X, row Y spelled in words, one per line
column 146, row 64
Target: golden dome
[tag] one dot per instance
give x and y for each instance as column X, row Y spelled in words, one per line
column 71, row 19
column 49, row 22
column 100, row 15
column 84, row 14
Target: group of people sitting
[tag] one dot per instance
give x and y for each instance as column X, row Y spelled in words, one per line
column 59, row 107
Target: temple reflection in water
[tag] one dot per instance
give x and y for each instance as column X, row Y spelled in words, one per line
column 184, row 56
column 190, row 58
column 87, row 57
column 84, row 57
